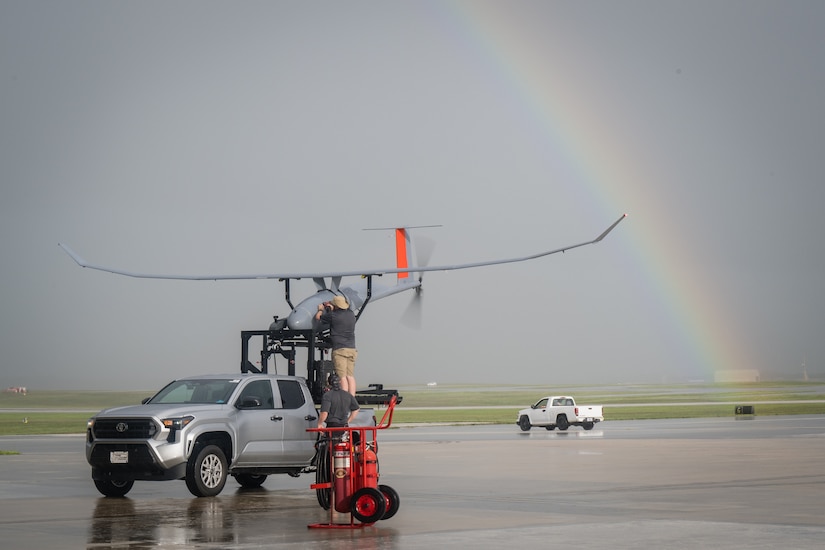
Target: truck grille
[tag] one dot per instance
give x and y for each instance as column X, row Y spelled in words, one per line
column 124, row 428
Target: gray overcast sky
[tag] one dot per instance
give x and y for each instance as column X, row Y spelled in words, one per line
column 237, row 137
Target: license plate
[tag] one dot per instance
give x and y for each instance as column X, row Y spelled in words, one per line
column 588, row 419
column 119, row 457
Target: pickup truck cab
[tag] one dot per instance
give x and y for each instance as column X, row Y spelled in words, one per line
column 203, row 428
column 559, row 411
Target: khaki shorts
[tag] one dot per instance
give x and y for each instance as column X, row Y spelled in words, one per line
column 343, row 361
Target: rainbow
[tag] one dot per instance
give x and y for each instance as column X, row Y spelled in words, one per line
column 600, row 155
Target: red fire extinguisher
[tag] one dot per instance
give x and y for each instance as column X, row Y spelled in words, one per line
column 341, row 471
column 367, row 469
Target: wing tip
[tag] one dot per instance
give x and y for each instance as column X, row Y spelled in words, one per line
column 609, row 229
column 73, row 255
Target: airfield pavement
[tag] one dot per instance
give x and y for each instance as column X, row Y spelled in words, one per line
column 732, row 483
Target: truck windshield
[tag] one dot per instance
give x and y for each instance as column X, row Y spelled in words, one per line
column 196, row 391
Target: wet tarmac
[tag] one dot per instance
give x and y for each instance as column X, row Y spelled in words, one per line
column 750, row 483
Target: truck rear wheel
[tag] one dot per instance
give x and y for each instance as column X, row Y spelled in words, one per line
column 250, row 481
column 524, row 423
column 561, row 422
column 206, row 471
column 587, row 425
column 111, row 488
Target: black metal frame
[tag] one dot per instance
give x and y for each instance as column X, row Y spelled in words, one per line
column 279, row 340
column 286, row 343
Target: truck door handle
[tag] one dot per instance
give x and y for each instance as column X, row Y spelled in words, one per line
column 276, row 418
column 310, row 418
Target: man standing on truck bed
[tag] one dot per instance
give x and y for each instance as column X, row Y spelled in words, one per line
column 338, row 407
column 341, row 320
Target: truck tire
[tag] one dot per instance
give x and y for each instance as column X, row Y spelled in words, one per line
column 561, row 422
column 524, row 423
column 250, row 481
column 113, row 488
column 206, row 471
column 587, row 425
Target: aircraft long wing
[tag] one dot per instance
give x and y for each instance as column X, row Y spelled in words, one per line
column 309, row 275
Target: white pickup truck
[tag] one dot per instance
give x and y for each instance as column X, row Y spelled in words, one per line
column 559, row 411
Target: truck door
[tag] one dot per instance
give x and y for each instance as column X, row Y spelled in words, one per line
column 298, row 412
column 538, row 415
column 260, row 431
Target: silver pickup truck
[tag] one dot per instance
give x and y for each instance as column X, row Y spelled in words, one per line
column 204, row 428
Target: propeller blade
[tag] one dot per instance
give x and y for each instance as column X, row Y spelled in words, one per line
column 412, row 316
column 424, row 247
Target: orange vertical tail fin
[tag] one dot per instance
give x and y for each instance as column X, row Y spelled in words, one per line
column 402, row 251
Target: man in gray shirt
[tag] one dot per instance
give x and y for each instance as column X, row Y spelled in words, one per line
column 338, row 407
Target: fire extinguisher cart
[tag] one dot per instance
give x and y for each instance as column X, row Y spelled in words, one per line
column 347, row 476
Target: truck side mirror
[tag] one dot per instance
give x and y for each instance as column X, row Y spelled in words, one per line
column 249, row 402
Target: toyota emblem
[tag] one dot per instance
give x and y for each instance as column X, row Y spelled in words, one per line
column 122, row 427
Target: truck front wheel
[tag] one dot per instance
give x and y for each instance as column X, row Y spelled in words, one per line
column 524, row 423
column 206, row 471
column 113, row 488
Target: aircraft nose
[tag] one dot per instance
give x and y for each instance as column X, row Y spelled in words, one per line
column 300, row 319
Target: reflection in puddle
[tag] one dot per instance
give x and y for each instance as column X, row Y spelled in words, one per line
column 247, row 516
column 127, row 523
column 582, row 434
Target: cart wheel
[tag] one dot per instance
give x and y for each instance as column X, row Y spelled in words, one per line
column 368, row 505
column 391, row 496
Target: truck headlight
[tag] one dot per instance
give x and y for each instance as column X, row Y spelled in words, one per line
column 90, row 424
column 178, row 422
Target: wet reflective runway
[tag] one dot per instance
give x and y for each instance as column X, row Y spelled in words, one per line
column 724, row 483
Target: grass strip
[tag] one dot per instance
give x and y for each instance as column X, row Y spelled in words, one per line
column 614, row 412
column 682, row 401
column 43, row 423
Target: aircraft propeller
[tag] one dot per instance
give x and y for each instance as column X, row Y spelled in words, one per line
column 412, row 316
